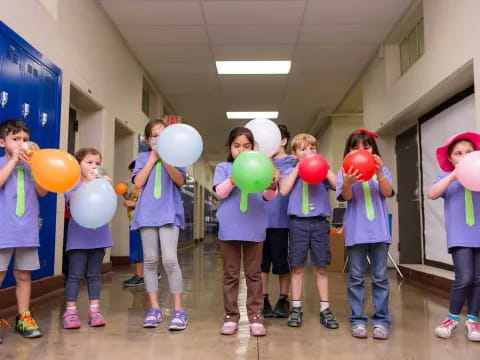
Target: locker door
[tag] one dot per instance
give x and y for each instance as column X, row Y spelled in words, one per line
column 30, row 93
column 10, row 77
column 45, row 134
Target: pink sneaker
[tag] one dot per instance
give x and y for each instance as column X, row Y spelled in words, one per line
column 257, row 329
column 70, row 319
column 473, row 330
column 95, row 319
column 446, row 328
column 229, row 328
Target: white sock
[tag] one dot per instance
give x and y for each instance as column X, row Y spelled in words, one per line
column 94, row 307
column 72, row 308
column 297, row 303
column 324, row 305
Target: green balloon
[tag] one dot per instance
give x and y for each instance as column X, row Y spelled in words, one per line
column 252, row 171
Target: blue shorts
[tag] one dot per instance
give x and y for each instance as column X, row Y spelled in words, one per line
column 309, row 233
column 136, row 250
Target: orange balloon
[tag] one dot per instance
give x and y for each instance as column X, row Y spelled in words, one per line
column 121, row 188
column 55, row 170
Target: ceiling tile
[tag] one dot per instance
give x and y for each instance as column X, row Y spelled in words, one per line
column 141, row 12
column 253, row 12
column 164, row 35
column 355, row 11
column 170, row 53
column 252, row 34
column 345, row 33
column 259, row 52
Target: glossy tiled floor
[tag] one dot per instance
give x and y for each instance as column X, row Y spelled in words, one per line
column 415, row 313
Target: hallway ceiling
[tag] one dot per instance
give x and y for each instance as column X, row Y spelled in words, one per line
column 330, row 42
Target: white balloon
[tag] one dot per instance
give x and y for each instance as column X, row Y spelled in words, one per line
column 266, row 134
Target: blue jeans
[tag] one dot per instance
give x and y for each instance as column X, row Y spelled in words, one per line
column 466, row 262
column 357, row 255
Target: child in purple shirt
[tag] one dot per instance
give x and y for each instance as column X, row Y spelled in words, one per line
column 308, row 209
column 85, row 250
column 366, row 235
column 19, row 211
column 462, row 224
column 275, row 246
column 241, row 231
column 159, row 217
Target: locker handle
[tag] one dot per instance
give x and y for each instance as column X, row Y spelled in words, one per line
column 25, row 110
column 4, row 98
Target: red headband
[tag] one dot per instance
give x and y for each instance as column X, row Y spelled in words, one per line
column 364, row 131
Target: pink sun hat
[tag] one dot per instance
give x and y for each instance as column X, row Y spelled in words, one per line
column 442, row 156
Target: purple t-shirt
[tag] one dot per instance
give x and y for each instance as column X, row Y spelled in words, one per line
column 167, row 209
column 318, row 200
column 234, row 224
column 358, row 228
column 277, row 208
column 18, row 231
column 82, row 238
column 458, row 232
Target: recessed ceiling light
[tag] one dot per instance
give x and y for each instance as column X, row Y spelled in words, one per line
column 240, row 115
column 253, row 67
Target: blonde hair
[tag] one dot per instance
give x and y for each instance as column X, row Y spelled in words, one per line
column 301, row 139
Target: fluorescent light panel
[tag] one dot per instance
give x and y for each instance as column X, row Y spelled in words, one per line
column 253, row 67
column 237, row 115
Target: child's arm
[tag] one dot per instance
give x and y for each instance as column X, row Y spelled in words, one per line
column 437, row 189
column 177, row 177
column 349, row 177
column 142, row 176
column 224, row 189
column 385, row 187
column 287, row 185
column 40, row 191
column 332, row 180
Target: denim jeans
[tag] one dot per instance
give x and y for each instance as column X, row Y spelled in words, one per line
column 377, row 253
column 466, row 262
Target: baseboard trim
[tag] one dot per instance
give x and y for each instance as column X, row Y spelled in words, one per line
column 42, row 290
column 434, row 283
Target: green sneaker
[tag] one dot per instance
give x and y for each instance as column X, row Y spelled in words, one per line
column 327, row 319
column 295, row 317
column 267, row 308
column 26, row 325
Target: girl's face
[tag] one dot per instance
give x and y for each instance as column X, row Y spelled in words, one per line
column 156, row 130
column 89, row 163
column 459, row 151
column 239, row 145
column 362, row 146
column 304, row 150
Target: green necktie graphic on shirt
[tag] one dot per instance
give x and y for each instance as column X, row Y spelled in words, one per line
column 368, row 201
column 20, row 206
column 305, row 201
column 469, row 215
column 157, row 187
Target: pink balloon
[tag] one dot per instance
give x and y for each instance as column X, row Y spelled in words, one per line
column 468, row 171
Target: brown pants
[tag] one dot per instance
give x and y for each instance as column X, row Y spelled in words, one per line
column 252, row 258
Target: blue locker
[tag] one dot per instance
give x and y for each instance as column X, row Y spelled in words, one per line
column 33, row 85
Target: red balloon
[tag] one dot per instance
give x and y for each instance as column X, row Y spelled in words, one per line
column 363, row 161
column 313, row 169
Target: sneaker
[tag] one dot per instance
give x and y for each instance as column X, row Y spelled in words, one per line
column 359, row 331
column 380, row 332
column 26, row 325
column 154, row 316
column 267, row 308
column 282, row 308
column 295, row 317
column 135, row 280
column 446, row 328
column 229, row 328
column 473, row 330
column 70, row 319
column 96, row 319
column 257, row 329
column 179, row 320
column 327, row 319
